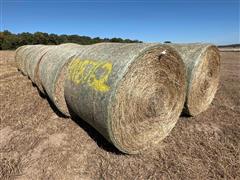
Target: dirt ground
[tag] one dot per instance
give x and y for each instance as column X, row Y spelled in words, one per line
column 37, row 143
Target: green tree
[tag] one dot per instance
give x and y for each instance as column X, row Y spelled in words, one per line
column 167, row 42
column 10, row 40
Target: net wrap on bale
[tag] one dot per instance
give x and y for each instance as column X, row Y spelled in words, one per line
column 132, row 94
column 202, row 63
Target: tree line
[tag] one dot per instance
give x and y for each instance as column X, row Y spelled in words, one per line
column 10, row 40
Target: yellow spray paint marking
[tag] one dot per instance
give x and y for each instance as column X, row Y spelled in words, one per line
column 84, row 71
column 100, row 83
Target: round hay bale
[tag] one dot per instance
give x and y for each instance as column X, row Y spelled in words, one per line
column 202, row 62
column 24, row 57
column 52, row 70
column 29, row 56
column 19, row 55
column 132, row 94
column 32, row 64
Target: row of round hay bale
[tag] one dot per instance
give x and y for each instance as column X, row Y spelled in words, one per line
column 202, row 62
column 132, row 94
column 52, row 71
column 28, row 58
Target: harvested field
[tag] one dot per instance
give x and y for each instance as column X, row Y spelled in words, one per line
column 37, row 143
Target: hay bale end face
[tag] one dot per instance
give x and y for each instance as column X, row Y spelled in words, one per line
column 202, row 62
column 52, row 71
column 132, row 94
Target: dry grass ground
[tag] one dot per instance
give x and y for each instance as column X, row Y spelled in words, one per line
column 37, row 143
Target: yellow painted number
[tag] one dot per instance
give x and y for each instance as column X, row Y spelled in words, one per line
column 84, row 71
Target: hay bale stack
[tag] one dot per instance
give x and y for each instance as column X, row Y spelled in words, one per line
column 52, row 70
column 202, row 62
column 132, row 94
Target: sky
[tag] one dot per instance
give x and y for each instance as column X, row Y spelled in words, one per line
column 179, row 21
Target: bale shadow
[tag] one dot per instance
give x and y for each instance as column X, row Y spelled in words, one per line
column 185, row 115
